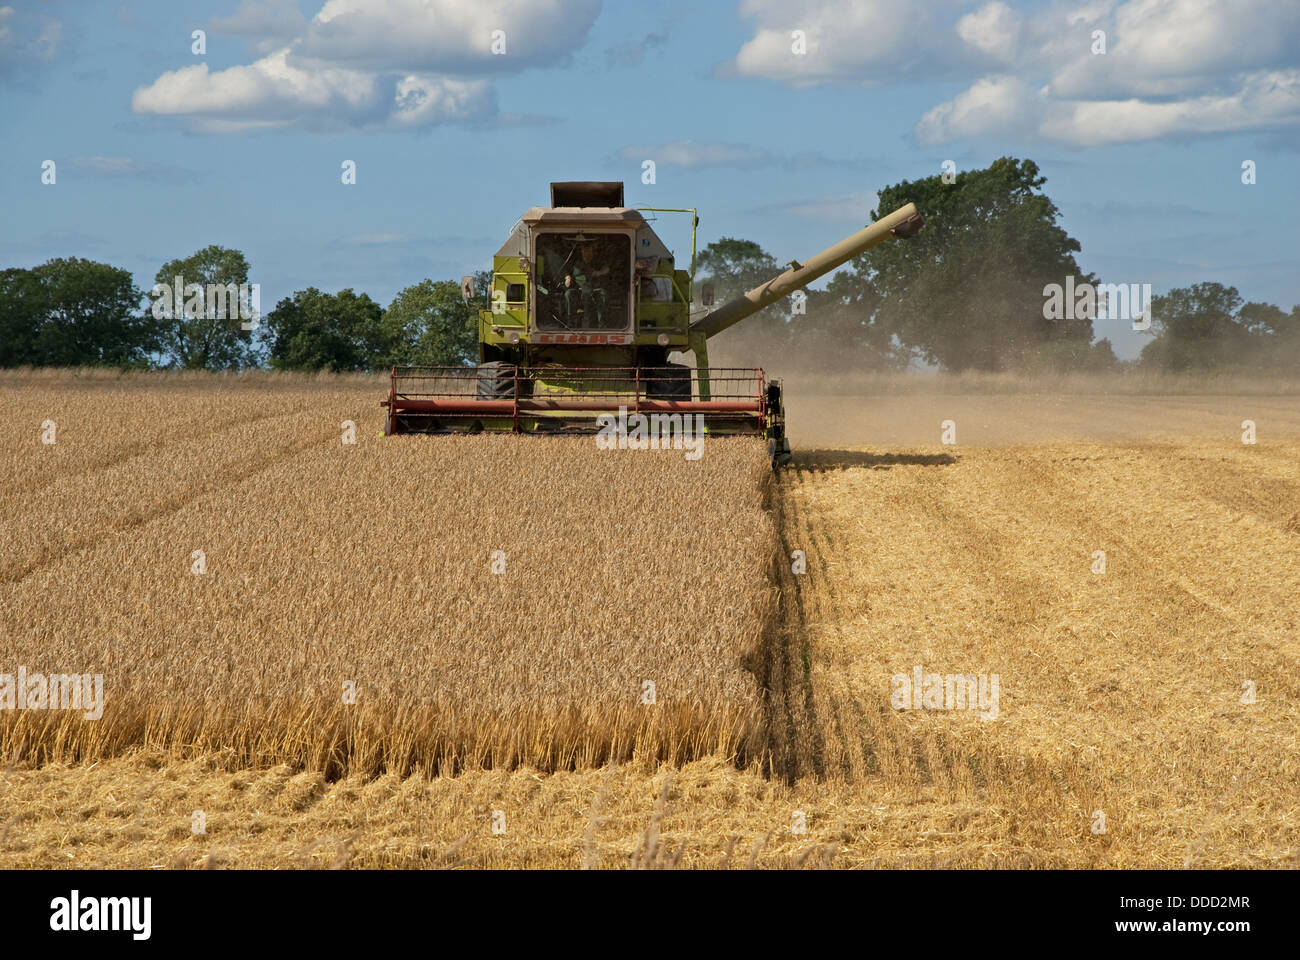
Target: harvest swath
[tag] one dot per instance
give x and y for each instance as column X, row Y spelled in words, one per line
column 370, row 565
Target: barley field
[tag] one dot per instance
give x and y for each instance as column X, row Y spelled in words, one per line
column 1122, row 562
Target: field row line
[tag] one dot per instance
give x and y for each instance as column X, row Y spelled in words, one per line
column 168, row 506
column 150, row 447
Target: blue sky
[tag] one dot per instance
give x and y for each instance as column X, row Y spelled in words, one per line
column 160, row 152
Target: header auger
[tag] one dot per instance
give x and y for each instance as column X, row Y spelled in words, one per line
column 587, row 306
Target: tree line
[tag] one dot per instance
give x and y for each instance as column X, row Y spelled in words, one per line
column 77, row 312
column 967, row 293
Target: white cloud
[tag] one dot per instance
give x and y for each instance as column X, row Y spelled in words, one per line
column 993, row 106
column 1171, row 67
column 692, row 153
column 267, row 93
column 272, row 93
column 270, row 23
column 847, row 40
column 278, row 18
column 1169, row 48
column 446, row 36
column 993, row 30
column 368, row 63
column 1005, row 106
column 422, row 99
column 1264, row 100
column 1206, row 37
column 1088, row 13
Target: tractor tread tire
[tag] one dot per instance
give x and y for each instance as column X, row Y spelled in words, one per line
column 676, row 384
column 496, row 381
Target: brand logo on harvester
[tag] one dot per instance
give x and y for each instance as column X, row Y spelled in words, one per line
column 105, row 914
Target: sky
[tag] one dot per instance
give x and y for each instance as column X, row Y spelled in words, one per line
column 778, row 119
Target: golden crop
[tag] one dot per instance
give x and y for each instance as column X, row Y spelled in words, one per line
column 1161, row 693
column 348, row 615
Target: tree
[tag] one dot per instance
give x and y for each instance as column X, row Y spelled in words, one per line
column 967, row 292
column 734, row 266
column 1062, row 356
column 830, row 335
column 1206, row 325
column 322, row 331
column 73, row 312
column 203, row 333
column 1101, row 358
column 22, row 311
column 430, row 323
column 1266, row 320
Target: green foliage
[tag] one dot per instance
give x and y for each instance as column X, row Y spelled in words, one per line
column 967, row 292
column 1101, row 357
column 1069, row 356
column 840, row 337
column 1267, row 320
column 734, row 266
column 22, row 311
column 429, row 323
column 827, row 333
column 1207, row 325
column 322, row 331
column 201, row 339
column 73, row 312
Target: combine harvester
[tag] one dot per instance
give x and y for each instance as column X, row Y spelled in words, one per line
column 587, row 305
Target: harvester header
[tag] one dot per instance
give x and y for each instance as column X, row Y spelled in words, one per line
column 587, row 305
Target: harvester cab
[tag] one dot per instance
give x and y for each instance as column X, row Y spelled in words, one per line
column 587, row 308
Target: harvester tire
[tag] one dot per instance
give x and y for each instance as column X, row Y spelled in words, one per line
column 496, row 381
column 671, row 383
